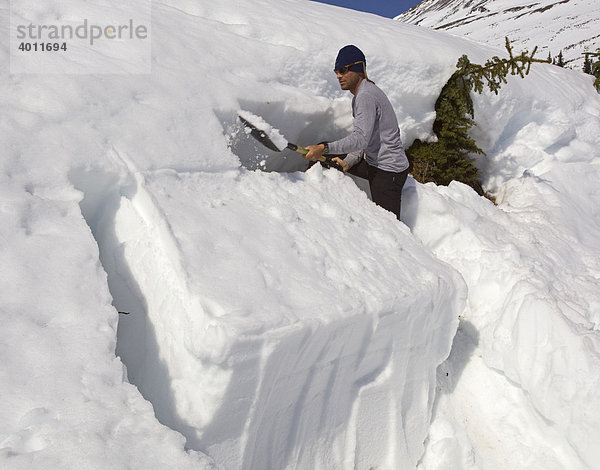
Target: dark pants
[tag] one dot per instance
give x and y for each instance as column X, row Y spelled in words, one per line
column 386, row 186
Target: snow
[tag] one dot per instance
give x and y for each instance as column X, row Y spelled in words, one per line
column 553, row 26
column 279, row 319
column 272, row 133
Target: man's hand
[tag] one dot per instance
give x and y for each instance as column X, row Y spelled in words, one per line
column 342, row 163
column 315, row 152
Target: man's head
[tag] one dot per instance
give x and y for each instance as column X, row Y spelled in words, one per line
column 350, row 67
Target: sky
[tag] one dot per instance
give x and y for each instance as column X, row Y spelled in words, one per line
column 387, row 8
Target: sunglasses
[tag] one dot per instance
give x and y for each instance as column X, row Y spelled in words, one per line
column 345, row 68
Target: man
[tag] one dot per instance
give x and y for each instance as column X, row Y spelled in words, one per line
column 375, row 136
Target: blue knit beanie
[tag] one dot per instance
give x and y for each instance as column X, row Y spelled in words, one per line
column 348, row 55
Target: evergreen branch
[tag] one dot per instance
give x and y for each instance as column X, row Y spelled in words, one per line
column 494, row 72
column 451, row 156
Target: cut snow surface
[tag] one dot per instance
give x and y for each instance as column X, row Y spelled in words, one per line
column 278, row 319
column 278, row 352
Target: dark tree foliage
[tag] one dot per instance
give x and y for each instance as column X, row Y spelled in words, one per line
column 587, row 64
column 594, row 59
column 452, row 155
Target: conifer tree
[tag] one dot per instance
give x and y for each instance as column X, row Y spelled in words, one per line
column 451, row 157
column 587, row 64
column 560, row 61
column 596, row 68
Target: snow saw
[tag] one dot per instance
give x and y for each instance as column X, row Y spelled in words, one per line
column 273, row 140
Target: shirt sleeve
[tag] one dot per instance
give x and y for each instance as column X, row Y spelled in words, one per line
column 365, row 115
column 354, row 157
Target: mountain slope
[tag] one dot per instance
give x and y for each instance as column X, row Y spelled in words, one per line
column 570, row 26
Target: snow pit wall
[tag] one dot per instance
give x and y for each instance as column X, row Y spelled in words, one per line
column 283, row 123
column 340, row 391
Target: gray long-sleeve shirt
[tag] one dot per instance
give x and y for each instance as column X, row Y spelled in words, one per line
column 375, row 131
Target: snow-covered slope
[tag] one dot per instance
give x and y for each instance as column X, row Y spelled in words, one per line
column 281, row 320
column 570, row 26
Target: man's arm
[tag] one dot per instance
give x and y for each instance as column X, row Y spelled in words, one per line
column 365, row 117
column 353, row 158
